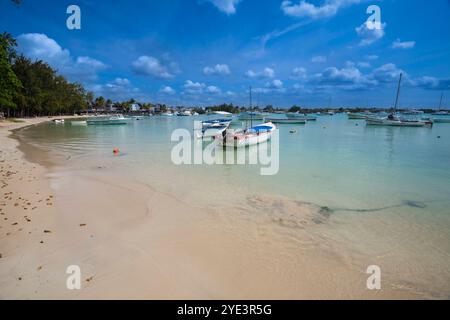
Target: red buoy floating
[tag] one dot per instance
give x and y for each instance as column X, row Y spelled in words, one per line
column 116, row 151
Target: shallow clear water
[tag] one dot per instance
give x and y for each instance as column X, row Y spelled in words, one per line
column 334, row 162
column 388, row 188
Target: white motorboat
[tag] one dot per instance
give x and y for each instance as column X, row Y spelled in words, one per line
column 59, row 121
column 213, row 128
column 248, row 137
column 223, row 113
column 112, row 120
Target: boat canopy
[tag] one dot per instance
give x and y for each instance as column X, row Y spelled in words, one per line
column 258, row 129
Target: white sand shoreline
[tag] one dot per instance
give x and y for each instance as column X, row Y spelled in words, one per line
column 133, row 242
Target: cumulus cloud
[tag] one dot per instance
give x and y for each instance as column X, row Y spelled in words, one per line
column 167, row 90
column 369, row 36
column 319, row 59
column 151, row 66
column 266, row 73
column 431, row 83
column 191, row 87
column 397, row 44
column 38, row 46
column 347, row 78
column 213, row 90
column 304, row 8
column 387, row 73
column 298, row 73
column 218, row 69
column 117, row 89
column 226, row 6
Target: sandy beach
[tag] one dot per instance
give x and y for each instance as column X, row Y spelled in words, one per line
column 133, row 242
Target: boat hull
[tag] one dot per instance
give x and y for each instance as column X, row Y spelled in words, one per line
column 397, row 123
column 241, row 140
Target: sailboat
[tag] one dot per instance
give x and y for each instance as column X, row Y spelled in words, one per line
column 393, row 119
column 250, row 136
column 442, row 115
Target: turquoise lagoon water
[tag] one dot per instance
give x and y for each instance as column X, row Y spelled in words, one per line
column 333, row 162
column 387, row 188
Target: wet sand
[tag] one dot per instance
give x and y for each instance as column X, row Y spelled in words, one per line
column 134, row 242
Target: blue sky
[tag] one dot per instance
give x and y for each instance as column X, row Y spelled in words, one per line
column 202, row 52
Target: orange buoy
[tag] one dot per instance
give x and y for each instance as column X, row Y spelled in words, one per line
column 116, row 151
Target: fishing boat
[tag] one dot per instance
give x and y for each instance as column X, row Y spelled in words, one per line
column 113, row 120
column 248, row 137
column 393, row 119
column 286, row 120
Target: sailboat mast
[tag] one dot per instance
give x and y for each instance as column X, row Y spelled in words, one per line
column 440, row 102
column 251, row 107
column 398, row 91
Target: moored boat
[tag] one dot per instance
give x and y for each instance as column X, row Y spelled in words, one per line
column 113, row 120
column 248, row 137
column 393, row 119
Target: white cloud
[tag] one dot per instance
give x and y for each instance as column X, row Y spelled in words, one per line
column 363, row 64
column 306, row 9
column 397, row 44
column 348, row 78
column 431, row 83
column 118, row 89
column 151, row 66
column 319, row 59
column 266, row 73
column 369, row 36
column 275, row 84
column 218, row 69
column 121, row 81
column 38, row 46
column 167, row 90
column 226, row 6
column 213, row 90
column 191, row 87
column 387, row 73
column 298, row 73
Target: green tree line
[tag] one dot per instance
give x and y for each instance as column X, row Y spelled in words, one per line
column 33, row 88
